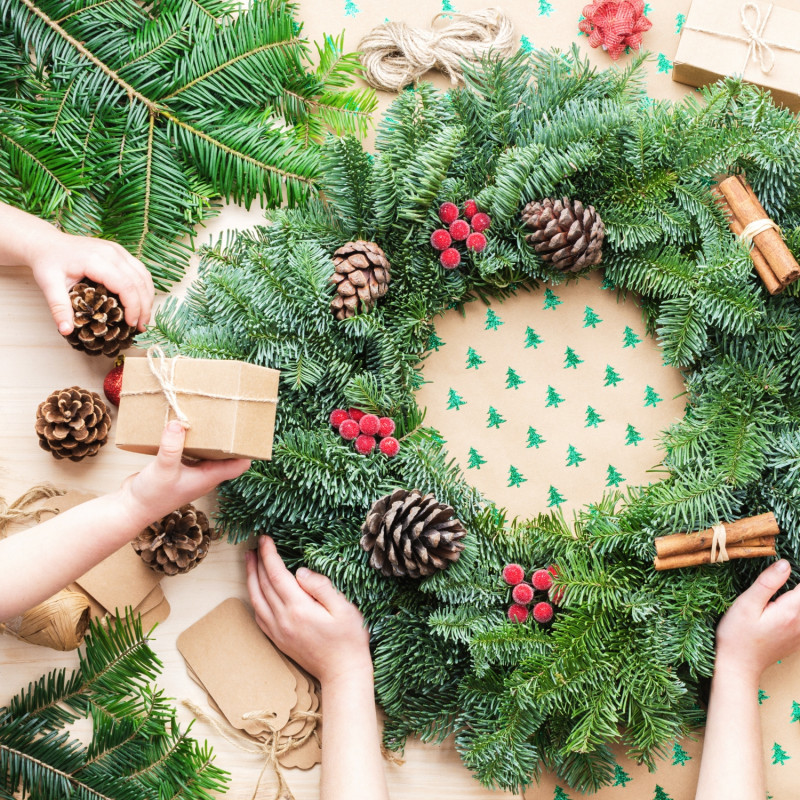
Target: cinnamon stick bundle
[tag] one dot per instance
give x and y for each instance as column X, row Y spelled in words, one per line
column 774, row 262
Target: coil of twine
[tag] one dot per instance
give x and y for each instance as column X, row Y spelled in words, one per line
column 395, row 54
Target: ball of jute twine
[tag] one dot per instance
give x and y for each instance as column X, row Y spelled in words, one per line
column 61, row 621
column 394, row 54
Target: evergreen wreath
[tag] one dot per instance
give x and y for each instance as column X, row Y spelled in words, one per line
column 623, row 660
column 126, row 120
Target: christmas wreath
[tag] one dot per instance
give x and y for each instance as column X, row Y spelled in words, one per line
column 623, row 656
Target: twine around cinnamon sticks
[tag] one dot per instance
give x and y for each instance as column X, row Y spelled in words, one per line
column 751, row 537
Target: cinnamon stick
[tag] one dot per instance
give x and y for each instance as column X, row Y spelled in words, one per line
column 746, row 207
column 736, row 533
column 704, row 557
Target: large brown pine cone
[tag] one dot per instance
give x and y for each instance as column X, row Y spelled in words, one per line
column 72, row 423
column 176, row 543
column 411, row 534
column 362, row 275
column 100, row 326
column 565, row 233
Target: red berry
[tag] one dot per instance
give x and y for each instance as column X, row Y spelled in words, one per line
column 543, row 612
column 522, row 593
column 517, row 613
column 369, row 424
column 355, row 413
column 338, row 416
column 389, row 446
column 513, row 574
column 470, row 209
column 476, row 242
column 112, row 385
column 448, row 212
column 542, row 580
column 441, row 239
column 365, row 444
column 349, row 429
column 480, row 222
column 450, row 258
column 459, row 230
column 387, row 426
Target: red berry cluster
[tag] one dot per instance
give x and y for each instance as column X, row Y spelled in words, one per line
column 469, row 231
column 366, row 431
column 523, row 593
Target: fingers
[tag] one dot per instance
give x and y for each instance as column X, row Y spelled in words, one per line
column 320, row 588
column 276, row 577
column 264, row 614
column 766, row 584
column 146, row 285
column 170, row 450
column 215, row 472
column 118, row 275
column 57, row 297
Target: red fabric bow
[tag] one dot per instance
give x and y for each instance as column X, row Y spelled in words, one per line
column 615, row 24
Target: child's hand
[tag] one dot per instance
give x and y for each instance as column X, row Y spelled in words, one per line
column 167, row 483
column 307, row 618
column 59, row 261
column 755, row 632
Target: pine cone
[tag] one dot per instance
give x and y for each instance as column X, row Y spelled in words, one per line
column 362, row 276
column 176, row 543
column 409, row 534
column 72, row 423
column 100, row 326
column 565, row 233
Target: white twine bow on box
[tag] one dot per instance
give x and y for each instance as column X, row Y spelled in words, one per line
column 757, row 45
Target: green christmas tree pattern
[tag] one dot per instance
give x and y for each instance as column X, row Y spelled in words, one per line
column 513, row 380
column 553, row 398
column 434, row 342
column 473, row 359
column 593, row 418
column 545, row 8
column 438, row 438
column 475, row 459
column 590, row 318
column 629, row 337
column 651, row 397
column 612, row 376
column 613, row 477
column 664, row 64
column 574, row 458
column 495, row 419
column 661, row 794
column 779, row 755
column 762, row 696
column 447, row 7
column 551, row 299
column 525, row 44
column 532, row 339
column 515, row 477
column 554, row 497
column 679, row 755
column 493, row 322
column 350, row 8
column 560, row 794
column 571, row 359
column 534, row 438
column 607, row 283
column 632, row 436
column 795, row 711
column 648, row 9
column 620, row 776
column 455, row 400
column 679, row 21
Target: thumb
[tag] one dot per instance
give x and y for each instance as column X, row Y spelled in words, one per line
column 57, row 297
column 318, row 586
column 767, row 583
column 171, row 448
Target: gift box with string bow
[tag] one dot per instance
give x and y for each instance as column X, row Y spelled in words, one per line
column 755, row 40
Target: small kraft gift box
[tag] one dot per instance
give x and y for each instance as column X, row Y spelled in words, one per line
column 228, row 406
column 758, row 41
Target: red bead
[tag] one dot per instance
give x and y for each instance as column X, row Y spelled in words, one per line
column 480, row 222
column 387, row 426
column 543, row 612
column 476, row 242
column 338, row 416
column 522, row 593
column 355, row 413
column 349, row 429
column 542, row 580
column 448, row 212
column 365, row 444
column 517, row 613
column 369, row 424
column 459, row 230
column 389, row 446
column 513, row 574
column 470, row 209
column 441, row 239
column 450, row 258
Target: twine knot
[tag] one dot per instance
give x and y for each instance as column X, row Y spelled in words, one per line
column 163, row 370
column 719, row 552
column 752, row 229
column 757, row 45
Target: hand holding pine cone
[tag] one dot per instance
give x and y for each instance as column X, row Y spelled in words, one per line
column 100, row 326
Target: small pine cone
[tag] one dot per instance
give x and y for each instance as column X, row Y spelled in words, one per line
column 72, row 423
column 411, row 534
column 176, row 543
column 100, row 326
column 362, row 274
column 565, row 233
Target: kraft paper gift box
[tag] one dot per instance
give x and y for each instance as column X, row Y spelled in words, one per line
column 229, row 405
column 758, row 41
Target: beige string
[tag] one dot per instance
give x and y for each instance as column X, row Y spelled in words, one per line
column 757, row 45
column 755, row 227
column 394, row 54
column 719, row 553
